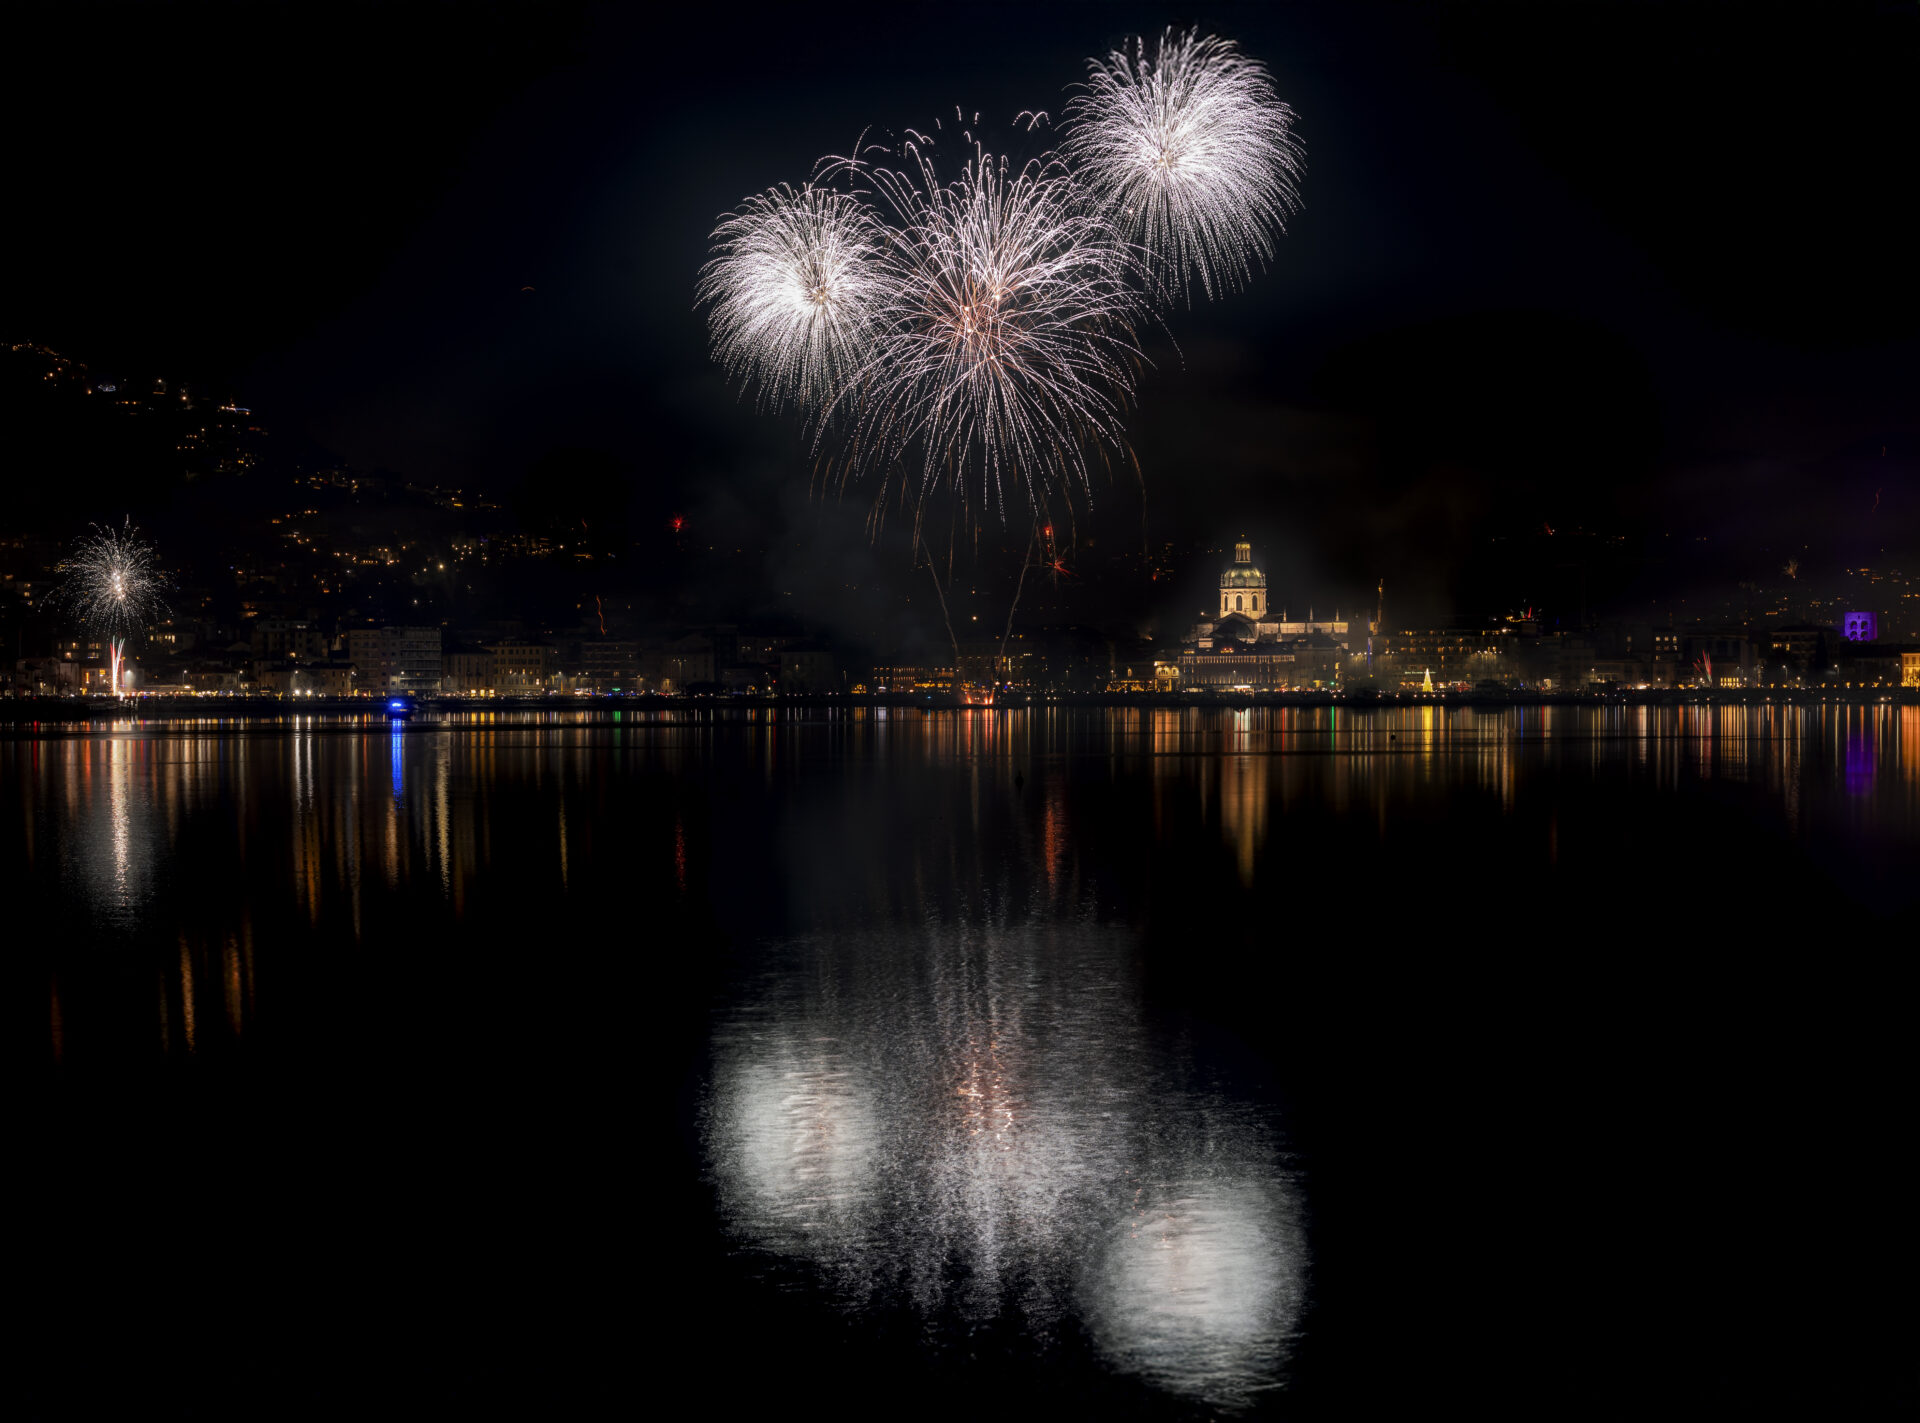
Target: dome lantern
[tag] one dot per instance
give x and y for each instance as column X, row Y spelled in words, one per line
column 1243, row 586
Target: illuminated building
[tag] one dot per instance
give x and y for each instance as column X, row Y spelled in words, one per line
column 521, row 668
column 602, row 665
column 309, row 679
column 396, row 659
column 1860, row 627
column 1246, row 611
column 682, row 663
column 900, row 677
column 982, row 665
column 466, row 671
column 1242, row 584
column 1246, row 646
column 1456, row 655
column 293, row 639
column 413, row 659
column 1876, row 664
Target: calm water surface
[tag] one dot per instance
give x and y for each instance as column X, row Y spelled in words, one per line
column 1183, row 1063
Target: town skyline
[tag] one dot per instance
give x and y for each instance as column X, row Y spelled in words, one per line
column 332, row 550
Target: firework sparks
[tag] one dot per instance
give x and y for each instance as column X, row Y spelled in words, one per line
column 1193, row 153
column 1006, row 343
column 112, row 584
column 794, row 286
column 113, row 587
column 981, row 334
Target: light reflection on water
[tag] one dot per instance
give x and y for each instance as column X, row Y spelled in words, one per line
column 938, row 1087
column 120, row 770
column 980, row 1122
column 95, row 817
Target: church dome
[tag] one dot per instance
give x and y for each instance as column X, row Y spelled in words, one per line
column 1243, row 575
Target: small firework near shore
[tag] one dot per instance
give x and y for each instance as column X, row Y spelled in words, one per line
column 113, row 586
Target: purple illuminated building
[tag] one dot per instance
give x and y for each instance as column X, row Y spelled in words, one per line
column 1860, row 627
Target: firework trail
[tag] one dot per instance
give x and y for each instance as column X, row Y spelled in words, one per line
column 795, row 285
column 1006, row 343
column 113, row 587
column 1192, row 153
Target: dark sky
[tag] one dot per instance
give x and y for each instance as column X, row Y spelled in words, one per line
column 1646, row 268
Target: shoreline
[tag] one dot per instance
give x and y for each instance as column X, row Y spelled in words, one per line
column 30, row 711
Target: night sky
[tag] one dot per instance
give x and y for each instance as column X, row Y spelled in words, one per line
column 1644, row 270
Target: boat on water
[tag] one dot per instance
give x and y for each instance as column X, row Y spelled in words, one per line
column 401, row 708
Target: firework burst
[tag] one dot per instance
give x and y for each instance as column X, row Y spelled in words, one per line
column 795, row 285
column 113, row 587
column 1192, row 154
column 981, row 334
column 1006, row 345
column 112, row 584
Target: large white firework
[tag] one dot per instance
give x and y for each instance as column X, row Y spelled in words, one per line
column 1007, row 334
column 1192, row 154
column 795, row 287
column 112, row 583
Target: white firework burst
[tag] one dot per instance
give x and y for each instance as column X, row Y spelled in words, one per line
column 1192, row 154
column 795, row 286
column 1007, row 343
column 112, row 584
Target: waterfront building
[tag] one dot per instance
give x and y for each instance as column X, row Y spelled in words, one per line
column 808, row 668
column 900, row 677
column 602, row 665
column 396, row 659
column 521, row 669
column 466, row 671
column 680, row 664
column 1876, row 664
column 413, row 659
column 1249, row 644
column 1457, row 656
column 289, row 639
column 286, row 677
column 1802, row 651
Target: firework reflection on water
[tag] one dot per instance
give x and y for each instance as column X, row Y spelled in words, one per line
column 979, row 1126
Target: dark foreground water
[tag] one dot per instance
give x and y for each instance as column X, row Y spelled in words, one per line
column 1294, row 1063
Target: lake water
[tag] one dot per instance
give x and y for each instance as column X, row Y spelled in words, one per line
column 1278, row 1062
